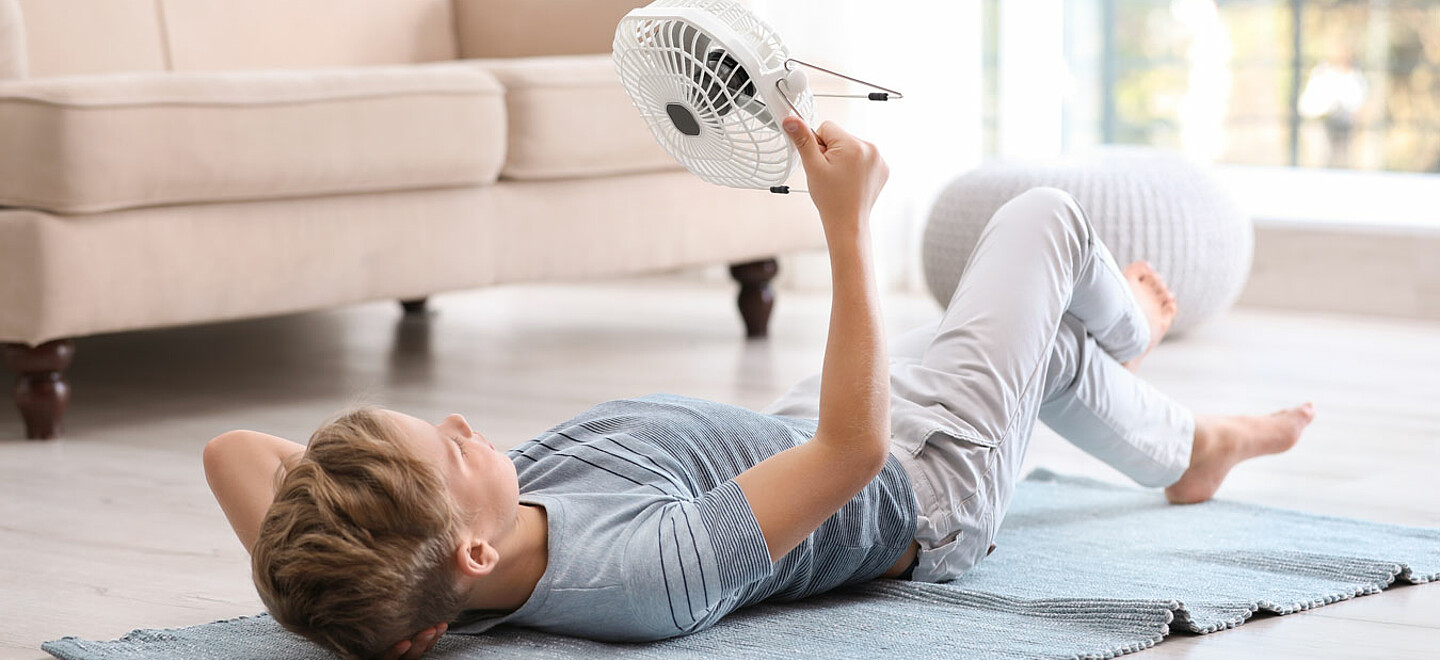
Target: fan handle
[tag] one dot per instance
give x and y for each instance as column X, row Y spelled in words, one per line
column 782, row 83
column 884, row 94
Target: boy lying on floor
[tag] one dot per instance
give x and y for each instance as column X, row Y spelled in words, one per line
column 655, row 517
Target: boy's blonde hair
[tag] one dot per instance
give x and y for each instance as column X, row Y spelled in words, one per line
column 355, row 554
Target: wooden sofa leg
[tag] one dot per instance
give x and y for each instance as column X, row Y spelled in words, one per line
column 41, row 392
column 415, row 307
column 756, row 296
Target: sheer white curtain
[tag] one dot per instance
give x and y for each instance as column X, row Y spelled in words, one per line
column 930, row 50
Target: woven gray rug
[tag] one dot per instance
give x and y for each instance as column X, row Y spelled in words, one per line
column 1083, row 569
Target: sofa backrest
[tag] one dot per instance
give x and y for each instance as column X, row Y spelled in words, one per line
column 92, row 36
column 210, row 35
column 14, row 57
column 67, row 37
column 106, row 36
column 524, row 28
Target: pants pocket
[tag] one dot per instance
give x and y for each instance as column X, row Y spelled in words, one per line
column 908, row 443
column 942, row 434
column 952, row 559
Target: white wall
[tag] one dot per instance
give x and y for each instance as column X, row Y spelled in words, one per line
column 1033, row 78
column 930, row 51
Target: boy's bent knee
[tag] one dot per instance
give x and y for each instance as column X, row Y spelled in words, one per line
column 1054, row 197
column 1046, row 207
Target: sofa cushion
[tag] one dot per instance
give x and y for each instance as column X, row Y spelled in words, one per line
column 570, row 117
column 88, row 144
column 171, row 265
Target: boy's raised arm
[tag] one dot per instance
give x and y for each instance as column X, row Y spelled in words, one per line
column 240, row 467
column 794, row 491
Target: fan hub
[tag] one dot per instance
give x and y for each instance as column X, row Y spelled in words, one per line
column 683, row 119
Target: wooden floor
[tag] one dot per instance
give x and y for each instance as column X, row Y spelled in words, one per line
column 112, row 528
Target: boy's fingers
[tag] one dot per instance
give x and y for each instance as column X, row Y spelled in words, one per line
column 397, row 650
column 831, row 132
column 417, row 650
column 802, row 137
column 428, row 639
column 439, row 630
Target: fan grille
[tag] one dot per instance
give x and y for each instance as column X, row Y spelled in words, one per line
column 669, row 61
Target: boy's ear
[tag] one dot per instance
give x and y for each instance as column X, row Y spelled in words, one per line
column 476, row 558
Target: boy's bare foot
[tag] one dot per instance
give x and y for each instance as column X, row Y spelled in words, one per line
column 1222, row 442
column 1157, row 301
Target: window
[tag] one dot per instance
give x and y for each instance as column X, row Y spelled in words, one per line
column 1351, row 84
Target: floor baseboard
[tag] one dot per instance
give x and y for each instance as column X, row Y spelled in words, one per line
column 1358, row 270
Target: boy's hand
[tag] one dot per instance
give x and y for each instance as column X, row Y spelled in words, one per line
column 845, row 174
column 413, row 648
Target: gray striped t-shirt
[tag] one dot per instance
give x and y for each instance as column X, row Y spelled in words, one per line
column 651, row 538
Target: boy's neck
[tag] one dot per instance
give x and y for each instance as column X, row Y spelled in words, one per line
column 524, row 554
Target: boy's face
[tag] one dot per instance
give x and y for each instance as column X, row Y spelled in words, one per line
column 481, row 480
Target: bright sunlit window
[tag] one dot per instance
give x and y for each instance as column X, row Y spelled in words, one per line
column 1272, row 88
column 1352, row 84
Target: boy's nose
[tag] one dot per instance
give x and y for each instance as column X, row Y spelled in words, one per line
column 458, row 421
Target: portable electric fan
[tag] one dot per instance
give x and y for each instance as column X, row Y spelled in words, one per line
column 713, row 83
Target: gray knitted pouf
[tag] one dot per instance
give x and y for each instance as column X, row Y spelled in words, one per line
column 1144, row 203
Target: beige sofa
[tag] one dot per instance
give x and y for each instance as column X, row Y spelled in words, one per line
column 165, row 162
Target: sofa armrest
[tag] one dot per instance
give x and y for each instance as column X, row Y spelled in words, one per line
column 14, row 59
column 528, row 28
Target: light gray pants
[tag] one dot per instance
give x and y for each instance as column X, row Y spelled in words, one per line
column 1036, row 329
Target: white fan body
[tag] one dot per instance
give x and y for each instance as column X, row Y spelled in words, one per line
column 710, row 79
